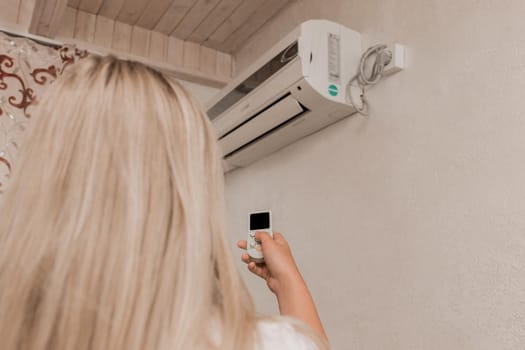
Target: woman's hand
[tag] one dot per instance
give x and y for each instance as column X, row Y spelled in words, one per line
column 279, row 269
column 284, row 279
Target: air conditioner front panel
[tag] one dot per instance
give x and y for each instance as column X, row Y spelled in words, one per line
column 270, row 91
column 277, row 114
column 293, row 90
column 303, row 125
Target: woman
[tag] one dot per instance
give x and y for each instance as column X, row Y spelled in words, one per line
column 112, row 233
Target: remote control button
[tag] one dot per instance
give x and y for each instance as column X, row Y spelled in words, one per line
column 253, row 244
column 252, row 234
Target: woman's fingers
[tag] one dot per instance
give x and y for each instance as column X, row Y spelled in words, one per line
column 278, row 237
column 245, row 258
column 259, row 270
column 241, row 244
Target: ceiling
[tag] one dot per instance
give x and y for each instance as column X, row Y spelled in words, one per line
column 223, row 25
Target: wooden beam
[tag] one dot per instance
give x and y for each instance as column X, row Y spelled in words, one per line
column 207, row 60
column 193, row 74
column 158, row 46
column 47, row 17
column 224, row 65
column 9, row 11
column 19, row 31
column 140, row 39
column 175, row 51
column 67, row 30
column 122, row 37
column 25, row 12
column 85, row 26
column 191, row 55
column 182, row 59
column 104, row 36
column 104, row 31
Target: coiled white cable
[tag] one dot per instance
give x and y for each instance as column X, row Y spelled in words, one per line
column 382, row 57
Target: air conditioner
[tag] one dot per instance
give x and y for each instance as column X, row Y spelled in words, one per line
column 295, row 89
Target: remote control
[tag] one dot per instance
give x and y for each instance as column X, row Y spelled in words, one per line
column 259, row 221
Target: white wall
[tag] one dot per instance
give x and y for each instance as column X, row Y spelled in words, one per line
column 202, row 93
column 409, row 225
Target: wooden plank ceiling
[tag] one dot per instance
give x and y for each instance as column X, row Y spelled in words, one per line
column 191, row 39
column 222, row 25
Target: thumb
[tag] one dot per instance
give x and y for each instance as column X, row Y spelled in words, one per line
column 263, row 237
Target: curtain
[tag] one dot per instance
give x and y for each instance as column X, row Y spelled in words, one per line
column 26, row 70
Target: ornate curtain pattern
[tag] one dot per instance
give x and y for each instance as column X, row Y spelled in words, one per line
column 26, row 69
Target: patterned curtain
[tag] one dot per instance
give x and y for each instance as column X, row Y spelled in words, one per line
column 26, row 69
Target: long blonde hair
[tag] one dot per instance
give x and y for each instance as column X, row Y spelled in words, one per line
column 112, row 232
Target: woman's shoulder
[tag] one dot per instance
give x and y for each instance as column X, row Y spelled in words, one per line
column 282, row 335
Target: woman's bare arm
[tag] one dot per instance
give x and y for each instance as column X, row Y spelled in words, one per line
column 284, row 279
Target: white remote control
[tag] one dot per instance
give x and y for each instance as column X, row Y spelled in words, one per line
column 259, row 221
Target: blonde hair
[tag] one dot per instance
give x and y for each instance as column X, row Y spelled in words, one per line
column 112, row 232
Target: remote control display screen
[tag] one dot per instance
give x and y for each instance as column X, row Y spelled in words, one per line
column 260, row 221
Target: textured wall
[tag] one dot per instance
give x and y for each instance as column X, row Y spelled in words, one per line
column 201, row 92
column 409, row 225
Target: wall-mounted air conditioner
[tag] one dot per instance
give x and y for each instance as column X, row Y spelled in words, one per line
column 295, row 89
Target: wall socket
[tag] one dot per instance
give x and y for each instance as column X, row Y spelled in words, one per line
column 396, row 64
column 398, row 59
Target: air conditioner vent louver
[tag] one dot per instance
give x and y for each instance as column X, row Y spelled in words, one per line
column 261, row 124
